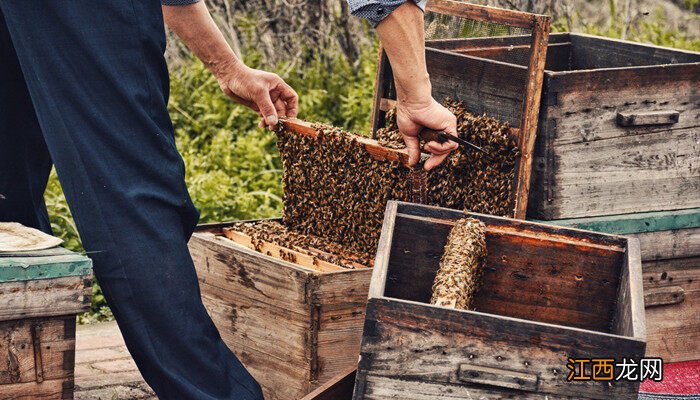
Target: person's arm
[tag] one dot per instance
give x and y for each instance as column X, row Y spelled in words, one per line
column 262, row 91
column 401, row 33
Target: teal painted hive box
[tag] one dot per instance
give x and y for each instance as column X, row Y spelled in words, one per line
column 40, row 294
column 670, row 250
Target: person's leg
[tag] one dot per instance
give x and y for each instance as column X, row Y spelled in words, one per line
column 97, row 77
column 24, row 160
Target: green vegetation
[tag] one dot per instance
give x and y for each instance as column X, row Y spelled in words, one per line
column 652, row 28
column 233, row 168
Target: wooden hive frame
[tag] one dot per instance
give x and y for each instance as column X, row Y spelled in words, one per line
column 527, row 128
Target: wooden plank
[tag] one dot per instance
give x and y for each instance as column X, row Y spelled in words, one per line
column 47, row 390
column 459, row 44
column 593, row 52
column 338, row 388
column 381, row 264
column 303, row 259
column 525, row 227
column 51, row 263
column 377, row 151
column 260, row 278
column 587, row 102
column 45, row 297
column 476, row 12
column 341, row 299
column 530, row 112
column 629, row 315
column 381, row 387
column 652, row 221
column 271, row 344
column 411, row 342
column 669, row 244
column 625, row 175
column 673, row 330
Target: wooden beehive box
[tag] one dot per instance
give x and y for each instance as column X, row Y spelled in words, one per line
column 292, row 327
column 40, row 296
column 548, row 293
column 618, row 125
column 670, row 253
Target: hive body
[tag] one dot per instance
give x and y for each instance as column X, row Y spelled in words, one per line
column 461, row 265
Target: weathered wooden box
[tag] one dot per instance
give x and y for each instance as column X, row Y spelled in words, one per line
column 618, row 125
column 292, row 327
column 39, row 298
column 670, row 252
column 549, row 293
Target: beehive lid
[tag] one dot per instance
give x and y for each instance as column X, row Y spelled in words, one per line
column 42, row 264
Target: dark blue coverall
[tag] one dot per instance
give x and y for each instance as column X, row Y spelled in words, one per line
column 84, row 84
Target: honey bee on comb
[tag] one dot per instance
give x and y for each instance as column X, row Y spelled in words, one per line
column 469, row 180
column 335, row 189
column 262, row 232
column 461, row 265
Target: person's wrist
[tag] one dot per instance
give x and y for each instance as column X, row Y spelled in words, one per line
column 414, row 93
column 227, row 68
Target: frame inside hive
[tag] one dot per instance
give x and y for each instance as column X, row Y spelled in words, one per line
column 306, row 257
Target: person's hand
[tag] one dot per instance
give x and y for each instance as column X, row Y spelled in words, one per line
column 412, row 118
column 262, row 91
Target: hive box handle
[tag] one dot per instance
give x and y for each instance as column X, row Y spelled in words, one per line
column 497, row 377
column 36, row 343
column 667, row 117
column 663, row 296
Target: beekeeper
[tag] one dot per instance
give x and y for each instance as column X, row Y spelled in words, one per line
column 84, row 86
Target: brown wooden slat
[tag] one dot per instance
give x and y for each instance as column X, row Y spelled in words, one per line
column 303, row 259
column 484, row 13
column 377, row 151
column 415, row 343
column 44, row 297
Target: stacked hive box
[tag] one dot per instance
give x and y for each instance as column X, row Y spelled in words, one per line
column 40, row 296
column 670, row 252
column 617, row 148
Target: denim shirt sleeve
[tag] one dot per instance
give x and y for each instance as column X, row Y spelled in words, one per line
column 374, row 11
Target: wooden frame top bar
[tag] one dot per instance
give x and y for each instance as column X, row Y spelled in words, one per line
column 502, row 16
column 372, row 146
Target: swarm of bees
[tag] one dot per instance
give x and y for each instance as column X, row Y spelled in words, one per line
column 470, row 180
column 461, row 265
column 262, row 232
column 333, row 188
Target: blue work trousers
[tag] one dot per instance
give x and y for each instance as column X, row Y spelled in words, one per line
column 84, row 86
